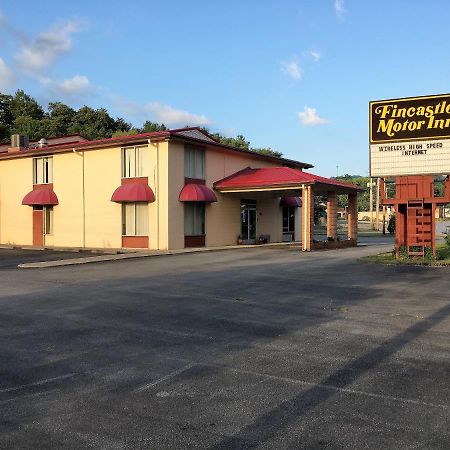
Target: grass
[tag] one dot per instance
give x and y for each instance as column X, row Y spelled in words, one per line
column 442, row 258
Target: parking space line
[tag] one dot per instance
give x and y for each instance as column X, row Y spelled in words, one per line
column 37, row 383
column 165, row 378
column 318, row 385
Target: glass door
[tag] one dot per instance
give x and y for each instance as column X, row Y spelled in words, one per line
column 288, row 223
column 248, row 221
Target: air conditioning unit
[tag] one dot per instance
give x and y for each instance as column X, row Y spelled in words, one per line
column 19, row 141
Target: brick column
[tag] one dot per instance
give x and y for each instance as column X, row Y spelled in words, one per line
column 332, row 215
column 308, row 218
column 352, row 216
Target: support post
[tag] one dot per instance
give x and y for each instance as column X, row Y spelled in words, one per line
column 308, row 218
column 332, row 215
column 371, row 202
column 377, row 206
column 352, row 217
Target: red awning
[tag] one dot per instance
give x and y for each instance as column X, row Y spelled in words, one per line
column 133, row 192
column 40, row 197
column 293, row 202
column 194, row 192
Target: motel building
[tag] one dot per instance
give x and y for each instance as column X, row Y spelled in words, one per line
column 159, row 191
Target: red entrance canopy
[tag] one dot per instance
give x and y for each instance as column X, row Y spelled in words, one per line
column 293, row 202
column 194, row 192
column 40, row 197
column 133, row 192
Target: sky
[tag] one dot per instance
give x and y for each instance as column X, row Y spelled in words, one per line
column 295, row 76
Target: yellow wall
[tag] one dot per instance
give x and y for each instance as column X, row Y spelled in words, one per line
column 223, row 221
column 16, row 220
column 175, row 208
column 102, row 175
column 68, row 215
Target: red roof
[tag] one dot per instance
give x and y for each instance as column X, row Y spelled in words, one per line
column 194, row 192
column 40, row 197
column 133, row 192
column 178, row 133
column 276, row 176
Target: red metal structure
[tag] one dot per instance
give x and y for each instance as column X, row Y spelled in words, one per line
column 415, row 206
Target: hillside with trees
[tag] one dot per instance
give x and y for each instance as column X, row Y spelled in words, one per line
column 363, row 197
column 22, row 114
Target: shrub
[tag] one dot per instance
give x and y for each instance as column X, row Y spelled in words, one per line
column 391, row 224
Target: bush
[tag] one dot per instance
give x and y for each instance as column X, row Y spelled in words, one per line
column 447, row 240
column 391, row 224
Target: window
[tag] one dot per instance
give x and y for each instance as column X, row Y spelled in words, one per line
column 134, row 162
column 135, row 219
column 194, row 219
column 43, row 170
column 194, row 162
column 48, row 219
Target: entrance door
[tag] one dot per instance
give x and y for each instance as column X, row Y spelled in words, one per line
column 288, row 224
column 248, row 221
column 38, row 226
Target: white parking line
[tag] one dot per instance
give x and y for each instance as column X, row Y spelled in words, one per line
column 37, row 383
column 165, row 378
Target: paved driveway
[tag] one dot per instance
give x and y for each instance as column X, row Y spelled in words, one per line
column 260, row 348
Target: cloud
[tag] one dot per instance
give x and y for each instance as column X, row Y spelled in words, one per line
column 339, row 9
column 42, row 51
column 78, row 85
column 161, row 113
column 315, row 55
column 310, row 118
column 292, row 69
column 7, row 77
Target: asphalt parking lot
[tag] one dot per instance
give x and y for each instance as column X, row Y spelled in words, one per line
column 250, row 348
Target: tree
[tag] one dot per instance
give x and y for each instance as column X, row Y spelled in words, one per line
column 241, row 142
column 62, row 117
column 6, row 115
column 129, row 132
column 267, row 151
column 92, row 123
column 363, row 197
column 25, row 105
column 27, row 125
column 150, row 127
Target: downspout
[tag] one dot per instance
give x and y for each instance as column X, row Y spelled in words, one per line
column 156, row 183
column 83, row 197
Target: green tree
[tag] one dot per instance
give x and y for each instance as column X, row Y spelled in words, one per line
column 267, row 151
column 62, row 117
column 150, row 127
column 92, row 123
column 25, row 105
column 6, row 115
column 27, row 125
column 129, row 132
column 363, row 197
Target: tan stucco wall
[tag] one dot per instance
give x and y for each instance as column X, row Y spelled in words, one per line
column 16, row 220
column 270, row 217
column 175, row 208
column 68, row 215
column 223, row 219
column 102, row 217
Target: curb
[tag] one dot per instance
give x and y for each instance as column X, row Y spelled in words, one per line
column 118, row 257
